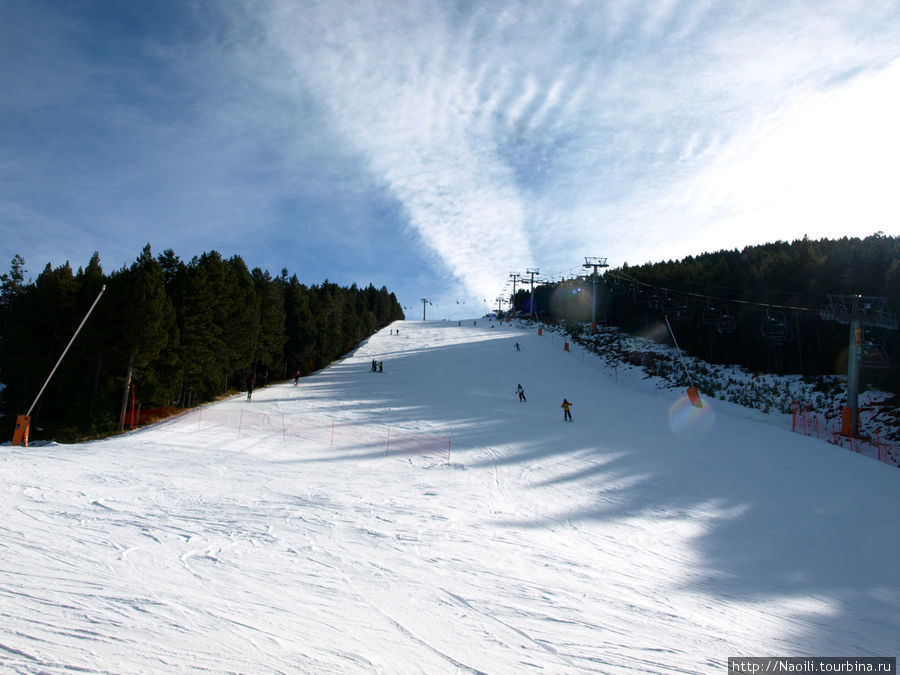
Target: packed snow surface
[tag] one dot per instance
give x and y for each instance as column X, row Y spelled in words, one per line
column 424, row 520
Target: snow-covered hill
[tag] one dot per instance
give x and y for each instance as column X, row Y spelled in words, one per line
column 290, row 534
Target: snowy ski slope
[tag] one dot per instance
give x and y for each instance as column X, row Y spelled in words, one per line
column 645, row 536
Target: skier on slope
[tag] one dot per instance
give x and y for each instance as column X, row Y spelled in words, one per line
column 567, row 415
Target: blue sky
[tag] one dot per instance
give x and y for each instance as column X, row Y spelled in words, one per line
column 436, row 147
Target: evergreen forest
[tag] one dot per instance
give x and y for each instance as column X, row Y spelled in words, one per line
column 165, row 333
column 768, row 308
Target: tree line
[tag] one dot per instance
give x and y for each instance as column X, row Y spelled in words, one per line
column 182, row 333
column 759, row 307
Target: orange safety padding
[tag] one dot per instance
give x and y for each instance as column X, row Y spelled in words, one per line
column 20, row 435
column 846, row 419
column 694, row 397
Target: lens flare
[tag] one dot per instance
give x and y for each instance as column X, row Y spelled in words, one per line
column 655, row 330
column 689, row 421
column 573, row 301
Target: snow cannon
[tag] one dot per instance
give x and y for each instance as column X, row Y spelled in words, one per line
column 694, row 397
column 20, row 435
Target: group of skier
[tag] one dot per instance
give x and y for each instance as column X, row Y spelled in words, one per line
column 378, row 367
column 566, row 404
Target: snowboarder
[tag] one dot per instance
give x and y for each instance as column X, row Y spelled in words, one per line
column 249, row 388
column 521, row 393
column 565, row 406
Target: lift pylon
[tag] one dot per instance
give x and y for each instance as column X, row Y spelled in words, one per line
column 856, row 311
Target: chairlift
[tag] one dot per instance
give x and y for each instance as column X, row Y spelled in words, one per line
column 776, row 328
column 712, row 315
column 684, row 313
column 872, row 353
column 728, row 323
column 616, row 287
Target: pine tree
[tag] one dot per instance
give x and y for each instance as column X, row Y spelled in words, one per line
column 148, row 318
column 202, row 316
column 12, row 288
column 241, row 329
column 300, row 324
column 271, row 338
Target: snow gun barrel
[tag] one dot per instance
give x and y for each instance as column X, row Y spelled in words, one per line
column 692, row 393
column 23, row 422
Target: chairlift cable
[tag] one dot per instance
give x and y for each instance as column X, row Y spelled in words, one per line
column 718, row 300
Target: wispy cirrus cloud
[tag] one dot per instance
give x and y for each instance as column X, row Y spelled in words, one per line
column 534, row 132
column 400, row 83
column 436, row 146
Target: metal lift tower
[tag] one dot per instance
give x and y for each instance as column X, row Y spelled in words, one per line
column 856, row 311
column 532, row 271
column 596, row 263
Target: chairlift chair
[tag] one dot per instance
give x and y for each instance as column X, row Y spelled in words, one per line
column 872, row 353
column 712, row 315
column 728, row 323
column 616, row 287
column 775, row 327
column 684, row 313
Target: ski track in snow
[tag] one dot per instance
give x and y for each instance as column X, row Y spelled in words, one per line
column 242, row 537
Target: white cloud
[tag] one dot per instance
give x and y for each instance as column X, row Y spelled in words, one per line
column 826, row 165
column 400, row 85
column 500, row 135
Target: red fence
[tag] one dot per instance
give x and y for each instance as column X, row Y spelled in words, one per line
column 324, row 432
column 806, row 421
